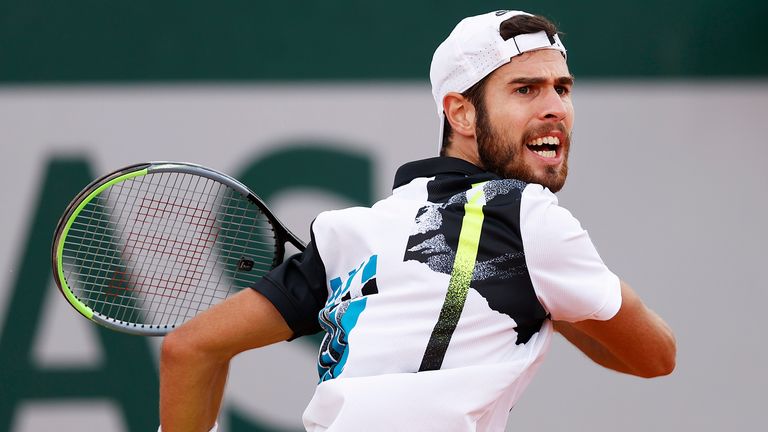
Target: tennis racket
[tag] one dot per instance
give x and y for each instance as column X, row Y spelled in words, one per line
column 144, row 249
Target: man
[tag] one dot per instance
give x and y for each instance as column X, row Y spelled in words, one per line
column 439, row 302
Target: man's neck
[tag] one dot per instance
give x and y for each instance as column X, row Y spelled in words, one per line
column 464, row 148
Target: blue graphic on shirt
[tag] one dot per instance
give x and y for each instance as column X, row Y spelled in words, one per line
column 340, row 315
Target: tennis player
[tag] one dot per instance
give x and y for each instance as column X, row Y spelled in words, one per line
column 439, row 302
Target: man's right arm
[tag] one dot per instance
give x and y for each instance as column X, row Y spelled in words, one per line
column 195, row 357
column 194, row 360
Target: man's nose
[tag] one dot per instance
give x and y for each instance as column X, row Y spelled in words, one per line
column 553, row 107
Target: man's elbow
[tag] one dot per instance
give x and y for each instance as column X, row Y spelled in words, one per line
column 662, row 363
column 181, row 347
column 174, row 349
column 658, row 370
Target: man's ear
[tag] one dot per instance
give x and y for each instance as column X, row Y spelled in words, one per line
column 460, row 114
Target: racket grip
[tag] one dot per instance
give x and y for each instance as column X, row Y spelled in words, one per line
column 213, row 429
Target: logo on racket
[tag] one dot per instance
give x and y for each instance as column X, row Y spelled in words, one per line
column 245, row 264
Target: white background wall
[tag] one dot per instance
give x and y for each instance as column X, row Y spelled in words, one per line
column 669, row 178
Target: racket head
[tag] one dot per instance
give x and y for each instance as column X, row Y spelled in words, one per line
column 145, row 248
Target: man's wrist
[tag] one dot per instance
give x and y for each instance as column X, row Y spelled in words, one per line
column 215, row 428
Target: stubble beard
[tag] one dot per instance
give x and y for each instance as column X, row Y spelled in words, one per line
column 501, row 154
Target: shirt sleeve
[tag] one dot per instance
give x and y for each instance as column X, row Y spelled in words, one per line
column 569, row 277
column 298, row 290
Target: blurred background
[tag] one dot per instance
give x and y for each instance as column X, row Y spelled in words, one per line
column 314, row 106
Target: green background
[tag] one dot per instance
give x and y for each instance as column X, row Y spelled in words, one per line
column 87, row 42
column 47, row 41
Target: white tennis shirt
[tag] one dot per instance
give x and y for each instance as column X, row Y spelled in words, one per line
column 436, row 301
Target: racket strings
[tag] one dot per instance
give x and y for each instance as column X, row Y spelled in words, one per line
column 157, row 249
column 168, row 284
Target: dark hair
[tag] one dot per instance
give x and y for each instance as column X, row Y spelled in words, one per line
column 517, row 25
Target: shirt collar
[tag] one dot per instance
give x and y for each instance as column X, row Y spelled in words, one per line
column 432, row 167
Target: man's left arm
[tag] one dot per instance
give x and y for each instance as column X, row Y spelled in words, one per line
column 635, row 341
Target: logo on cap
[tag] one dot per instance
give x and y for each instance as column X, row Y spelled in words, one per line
column 501, row 12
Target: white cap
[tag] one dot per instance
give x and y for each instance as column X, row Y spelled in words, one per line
column 474, row 49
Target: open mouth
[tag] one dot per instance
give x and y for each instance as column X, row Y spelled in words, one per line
column 545, row 147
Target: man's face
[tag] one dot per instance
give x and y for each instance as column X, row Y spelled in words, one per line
column 524, row 126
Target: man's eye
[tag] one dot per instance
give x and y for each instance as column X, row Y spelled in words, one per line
column 524, row 90
column 562, row 90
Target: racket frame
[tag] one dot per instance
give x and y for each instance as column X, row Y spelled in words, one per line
column 281, row 232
